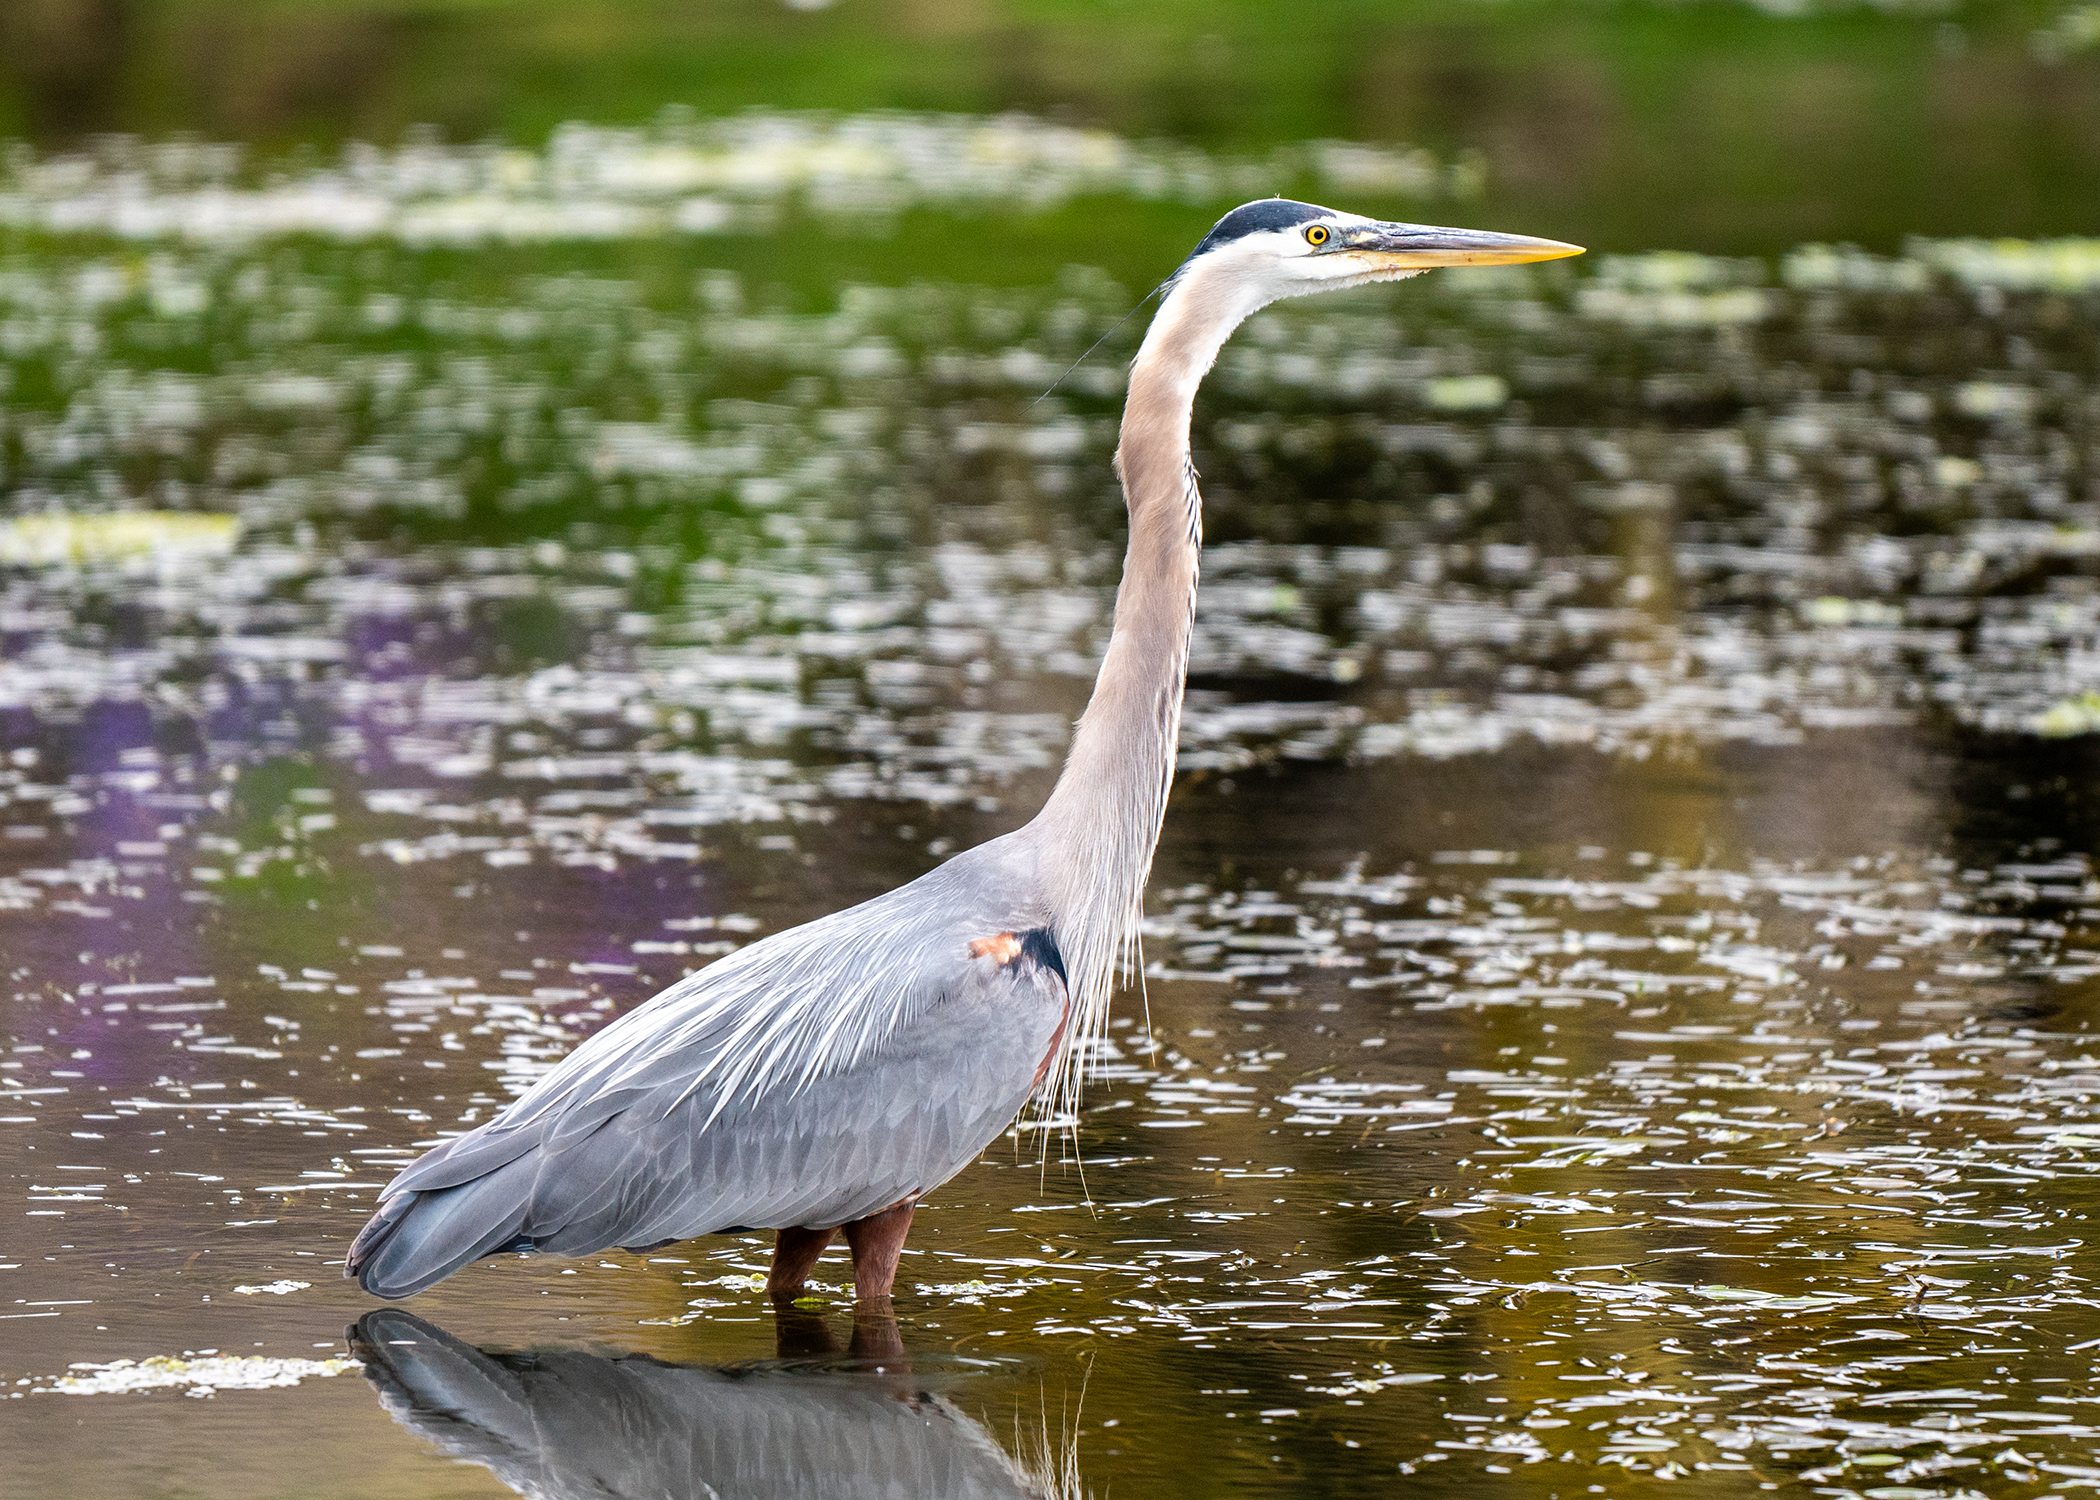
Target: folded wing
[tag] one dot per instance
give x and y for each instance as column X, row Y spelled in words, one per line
column 812, row 1079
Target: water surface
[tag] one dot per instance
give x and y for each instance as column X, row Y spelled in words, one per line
column 1617, row 976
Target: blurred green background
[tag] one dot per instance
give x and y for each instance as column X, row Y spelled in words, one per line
column 1712, row 126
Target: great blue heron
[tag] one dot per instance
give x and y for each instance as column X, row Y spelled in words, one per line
column 830, row 1076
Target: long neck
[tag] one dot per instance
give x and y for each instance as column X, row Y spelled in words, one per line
column 1102, row 821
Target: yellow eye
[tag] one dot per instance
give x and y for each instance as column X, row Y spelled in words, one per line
column 1317, row 235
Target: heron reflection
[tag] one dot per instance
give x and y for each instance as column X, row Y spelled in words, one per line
column 563, row 1424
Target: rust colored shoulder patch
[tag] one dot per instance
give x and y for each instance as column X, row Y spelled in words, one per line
column 1002, row 948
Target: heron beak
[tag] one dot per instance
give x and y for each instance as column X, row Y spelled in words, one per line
column 1422, row 247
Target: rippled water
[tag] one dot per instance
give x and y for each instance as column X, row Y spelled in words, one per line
column 1618, row 972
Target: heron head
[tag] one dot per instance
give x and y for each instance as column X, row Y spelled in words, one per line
column 1275, row 248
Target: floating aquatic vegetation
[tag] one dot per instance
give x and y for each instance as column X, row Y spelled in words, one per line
column 683, row 176
column 165, row 539
column 203, row 1375
column 1466, row 392
column 2066, row 265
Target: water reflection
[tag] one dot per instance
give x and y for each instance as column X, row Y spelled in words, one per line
column 568, row 1424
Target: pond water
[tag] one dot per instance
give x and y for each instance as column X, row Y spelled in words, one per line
column 1619, row 970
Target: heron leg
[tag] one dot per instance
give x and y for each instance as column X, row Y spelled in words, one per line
column 795, row 1253
column 877, row 1241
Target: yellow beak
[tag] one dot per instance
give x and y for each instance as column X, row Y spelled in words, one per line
column 1422, row 247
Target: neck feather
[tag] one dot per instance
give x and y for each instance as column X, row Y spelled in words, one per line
column 1101, row 824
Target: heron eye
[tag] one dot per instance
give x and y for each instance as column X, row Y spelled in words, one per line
column 1317, row 235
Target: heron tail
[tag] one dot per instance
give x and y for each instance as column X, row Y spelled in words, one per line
column 417, row 1239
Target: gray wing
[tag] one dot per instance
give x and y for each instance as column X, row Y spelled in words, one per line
column 811, row 1079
